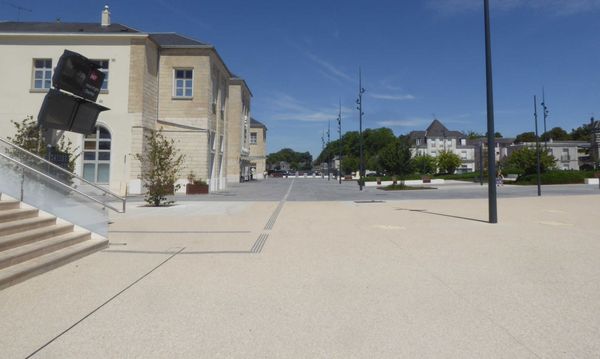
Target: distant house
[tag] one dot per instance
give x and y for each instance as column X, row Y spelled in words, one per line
column 566, row 153
column 437, row 138
column 258, row 148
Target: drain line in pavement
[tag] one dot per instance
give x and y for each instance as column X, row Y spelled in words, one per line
column 262, row 238
column 105, row 303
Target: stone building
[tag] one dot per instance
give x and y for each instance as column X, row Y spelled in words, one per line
column 437, row 138
column 154, row 81
column 258, row 148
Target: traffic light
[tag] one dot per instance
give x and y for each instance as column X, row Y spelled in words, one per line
column 76, row 74
column 62, row 111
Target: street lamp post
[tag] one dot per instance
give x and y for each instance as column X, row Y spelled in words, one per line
column 339, row 121
column 491, row 145
column 361, row 169
column 328, row 154
column 322, row 152
column 537, row 148
column 545, row 108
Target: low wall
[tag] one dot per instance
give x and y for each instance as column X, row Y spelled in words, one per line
column 407, row 182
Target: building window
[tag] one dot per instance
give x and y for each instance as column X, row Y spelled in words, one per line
column 96, row 156
column 252, row 138
column 42, row 74
column 103, row 66
column 183, row 83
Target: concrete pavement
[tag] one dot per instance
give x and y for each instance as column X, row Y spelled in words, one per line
column 403, row 278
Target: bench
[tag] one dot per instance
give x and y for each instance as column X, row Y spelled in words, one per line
column 511, row 178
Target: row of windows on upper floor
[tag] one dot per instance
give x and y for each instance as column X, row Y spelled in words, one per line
column 183, row 79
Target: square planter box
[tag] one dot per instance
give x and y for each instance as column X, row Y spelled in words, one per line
column 196, row 188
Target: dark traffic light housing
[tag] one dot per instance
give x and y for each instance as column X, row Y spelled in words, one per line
column 62, row 111
column 76, row 74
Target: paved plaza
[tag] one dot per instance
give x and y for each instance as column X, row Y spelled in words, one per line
column 313, row 269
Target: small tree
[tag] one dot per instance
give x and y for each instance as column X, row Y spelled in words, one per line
column 425, row 164
column 524, row 161
column 160, row 164
column 30, row 136
column 395, row 159
column 448, row 162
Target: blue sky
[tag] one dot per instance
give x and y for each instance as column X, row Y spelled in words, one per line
column 419, row 59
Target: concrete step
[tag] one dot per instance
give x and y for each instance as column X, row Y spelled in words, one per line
column 19, row 272
column 25, row 224
column 25, row 252
column 9, row 204
column 33, row 235
column 14, row 214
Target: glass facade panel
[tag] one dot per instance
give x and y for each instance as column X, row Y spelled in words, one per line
column 89, row 172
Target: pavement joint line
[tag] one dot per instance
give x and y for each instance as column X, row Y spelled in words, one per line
column 118, row 251
column 173, row 254
column 184, row 232
column 462, row 297
column 273, row 218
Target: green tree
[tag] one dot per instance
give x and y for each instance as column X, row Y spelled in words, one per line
column 556, row 134
column 473, row 135
column 525, row 137
column 448, row 162
column 395, row 159
column 30, row 136
column 524, row 161
column 297, row 160
column 425, row 164
column 350, row 164
column 161, row 162
column 582, row 133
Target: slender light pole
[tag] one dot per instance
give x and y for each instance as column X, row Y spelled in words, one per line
column 537, row 147
column 328, row 153
column 481, row 163
column 339, row 121
column 545, row 117
column 361, row 169
column 493, row 210
column 322, row 153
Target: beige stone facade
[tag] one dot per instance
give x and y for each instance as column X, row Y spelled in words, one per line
column 238, row 138
column 258, row 149
column 155, row 81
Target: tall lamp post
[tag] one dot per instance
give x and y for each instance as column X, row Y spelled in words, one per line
column 537, row 147
column 339, row 121
column 361, row 169
column 493, row 211
column 545, row 108
column 322, row 152
column 328, row 154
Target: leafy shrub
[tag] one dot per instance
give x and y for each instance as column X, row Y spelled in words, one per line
column 556, row 177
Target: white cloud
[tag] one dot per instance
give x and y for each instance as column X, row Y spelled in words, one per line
column 558, row 7
column 412, row 122
column 329, row 68
column 407, row 97
column 287, row 108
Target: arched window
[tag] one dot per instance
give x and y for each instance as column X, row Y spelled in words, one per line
column 96, row 156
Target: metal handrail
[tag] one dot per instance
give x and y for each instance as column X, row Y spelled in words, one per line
column 60, row 183
column 71, row 174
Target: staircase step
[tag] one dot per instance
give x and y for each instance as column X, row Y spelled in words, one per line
column 19, row 272
column 9, row 204
column 25, row 224
column 37, row 234
column 28, row 251
column 8, row 215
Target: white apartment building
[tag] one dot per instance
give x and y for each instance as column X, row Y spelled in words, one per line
column 154, row 81
column 437, row 138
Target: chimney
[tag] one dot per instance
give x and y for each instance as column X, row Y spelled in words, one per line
column 105, row 16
